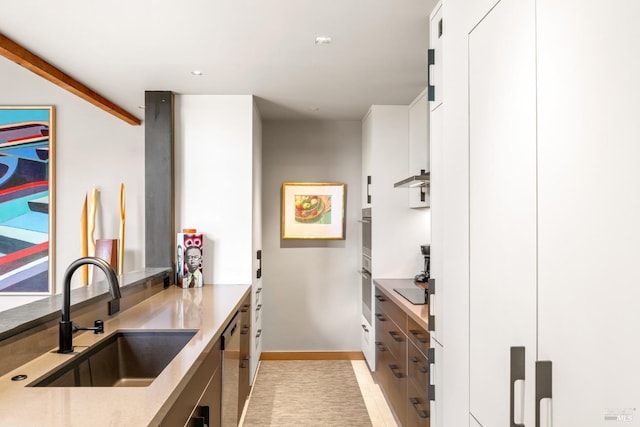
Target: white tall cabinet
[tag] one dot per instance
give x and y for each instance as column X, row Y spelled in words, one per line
column 553, row 212
column 218, row 168
column 502, row 206
column 435, row 109
column 397, row 231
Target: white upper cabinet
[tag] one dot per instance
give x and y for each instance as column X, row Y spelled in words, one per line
column 367, row 135
column 434, row 56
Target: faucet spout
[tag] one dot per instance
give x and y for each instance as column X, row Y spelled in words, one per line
column 66, row 326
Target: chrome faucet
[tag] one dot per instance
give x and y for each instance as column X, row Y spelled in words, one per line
column 66, row 326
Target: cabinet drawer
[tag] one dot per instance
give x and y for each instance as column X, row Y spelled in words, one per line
column 391, row 335
column 395, row 313
column 417, row 406
column 418, row 367
column 417, row 335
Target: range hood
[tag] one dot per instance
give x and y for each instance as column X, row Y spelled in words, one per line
column 414, row 181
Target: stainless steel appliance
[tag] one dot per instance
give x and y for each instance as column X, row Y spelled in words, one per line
column 366, row 264
column 230, row 373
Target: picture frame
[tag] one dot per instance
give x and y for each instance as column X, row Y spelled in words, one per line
column 313, row 211
column 27, row 200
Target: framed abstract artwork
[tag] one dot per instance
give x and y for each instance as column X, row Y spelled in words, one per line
column 27, row 200
column 313, row 210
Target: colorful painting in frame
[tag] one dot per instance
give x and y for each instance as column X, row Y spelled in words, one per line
column 313, row 210
column 27, row 209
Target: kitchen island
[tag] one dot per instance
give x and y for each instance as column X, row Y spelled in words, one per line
column 207, row 310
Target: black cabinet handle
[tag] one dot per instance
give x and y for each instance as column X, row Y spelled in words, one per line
column 380, row 346
column 431, row 290
column 396, row 337
column 203, row 417
column 365, row 328
column 517, row 373
column 544, row 382
column 368, row 188
column 421, row 412
column 396, row 371
column 380, row 317
column 259, row 258
column 244, row 308
column 422, row 369
column 431, row 60
column 380, row 298
column 419, row 336
column 258, row 290
column 258, row 333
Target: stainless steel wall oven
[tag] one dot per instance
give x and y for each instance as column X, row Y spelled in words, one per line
column 366, row 264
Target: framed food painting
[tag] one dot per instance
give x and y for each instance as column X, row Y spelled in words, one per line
column 27, row 154
column 313, row 210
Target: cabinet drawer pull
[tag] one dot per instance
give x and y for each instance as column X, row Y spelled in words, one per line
column 396, row 371
column 380, row 298
column 259, row 333
column 421, row 412
column 244, row 330
column 396, row 337
column 517, row 363
column 380, row 317
column 244, row 308
column 419, row 336
column 423, row 369
column 415, row 359
column 365, row 328
column 258, row 290
column 380, row 346
column 258, row 307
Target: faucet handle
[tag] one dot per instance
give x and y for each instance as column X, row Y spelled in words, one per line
column 99, row 327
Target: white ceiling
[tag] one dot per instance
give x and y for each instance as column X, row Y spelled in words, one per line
column 120, row 48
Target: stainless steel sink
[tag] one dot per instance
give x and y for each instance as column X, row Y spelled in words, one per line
column 124, row 359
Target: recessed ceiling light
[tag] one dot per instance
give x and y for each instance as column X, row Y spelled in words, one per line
column 323, row 40
column 197, row 73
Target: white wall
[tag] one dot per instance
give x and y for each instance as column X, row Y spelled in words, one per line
column 311, row 288
column 213, row 170
column 93, row 149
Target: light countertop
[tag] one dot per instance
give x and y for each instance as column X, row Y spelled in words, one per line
column 419, row 313
column 207, row 309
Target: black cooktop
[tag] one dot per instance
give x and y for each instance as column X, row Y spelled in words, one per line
column 416, row 296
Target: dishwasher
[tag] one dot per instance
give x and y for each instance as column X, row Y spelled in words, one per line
column 230, row 373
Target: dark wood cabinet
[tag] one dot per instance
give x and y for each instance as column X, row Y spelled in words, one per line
column 402, row 365
column 200, row 396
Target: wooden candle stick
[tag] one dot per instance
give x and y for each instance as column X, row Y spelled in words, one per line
column 84, row 248
column 121, row 242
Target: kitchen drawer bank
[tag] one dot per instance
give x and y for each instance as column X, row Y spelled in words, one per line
column 402, row 340
column 207, row 310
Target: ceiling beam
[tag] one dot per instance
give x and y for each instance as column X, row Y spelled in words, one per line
column 32, row 62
